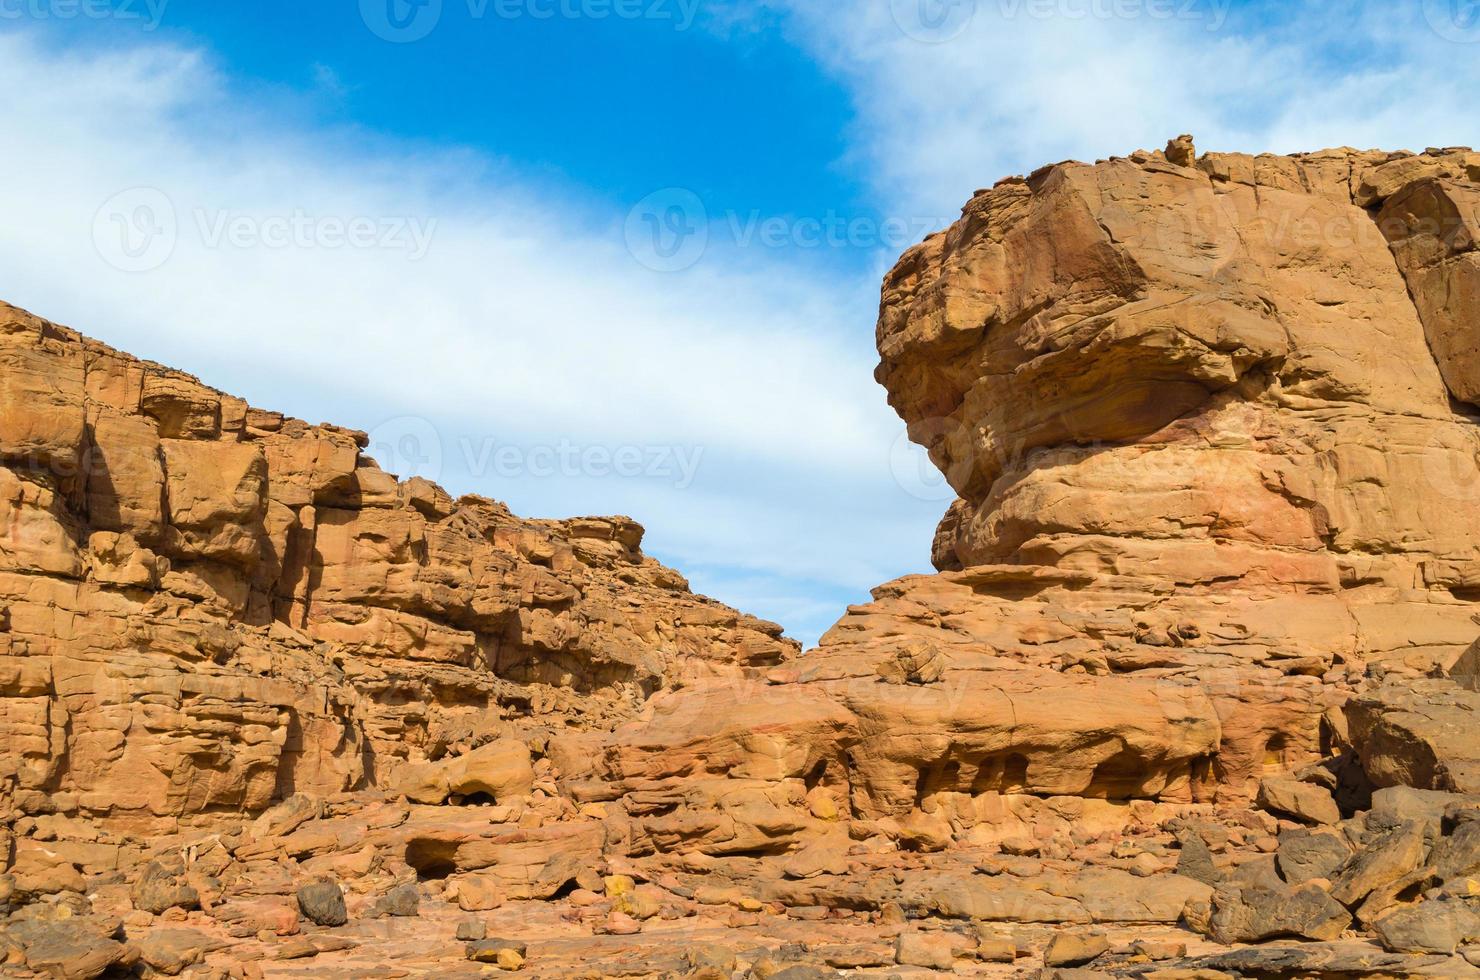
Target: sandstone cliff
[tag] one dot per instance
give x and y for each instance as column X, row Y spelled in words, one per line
column 206, row 607
column 1207, row 422
column 1198, row 670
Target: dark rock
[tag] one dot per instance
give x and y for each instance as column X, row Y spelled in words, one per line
column 1459, row 854
column 1397, row 805
column 1306, row 854
column 1353, row 790
column 471, row 930
column 1301, row 961
column 323, row 903
column 1429, row 927
column 1392, row 856
column 1463, row 811
column 1255, row 913
column 1261, row 871
column 1196, row 860
column 1466, row 670
column 403, row 900
column 159, row 889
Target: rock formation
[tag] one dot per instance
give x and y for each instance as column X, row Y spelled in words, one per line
column 1192, row 695
column 208, row 607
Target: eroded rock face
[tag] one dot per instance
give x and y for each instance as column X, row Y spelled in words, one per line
column 1212, row 467
column 1198, row 669
column 208, row 607
column 1210, row 412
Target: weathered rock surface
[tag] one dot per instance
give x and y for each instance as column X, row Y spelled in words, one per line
column 209, row 607
column 1198, row 668
column 323, row 903
column 1158, row 391
column 1255, row 913
column 1420, row 734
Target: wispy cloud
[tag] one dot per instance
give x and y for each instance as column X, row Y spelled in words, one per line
column 459, row 308
column 436, row 296
column 954, row 94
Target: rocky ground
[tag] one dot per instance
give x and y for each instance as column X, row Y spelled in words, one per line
column 1192, row 695
column 362, row 887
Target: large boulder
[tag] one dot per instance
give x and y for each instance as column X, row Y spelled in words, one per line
column 322, row 903
column 1428, row 927
column 1419, row 734
column 1298, row 800
column 1256, row 913
column 159, row 889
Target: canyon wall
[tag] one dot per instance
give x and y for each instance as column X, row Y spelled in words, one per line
column 207, row 607
column 1207, row 418
column 1198, row 668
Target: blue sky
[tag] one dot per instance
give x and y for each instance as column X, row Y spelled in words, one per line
column 622, row 256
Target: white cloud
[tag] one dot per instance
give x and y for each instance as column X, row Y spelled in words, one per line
column 526, row 322
column 1021, row 83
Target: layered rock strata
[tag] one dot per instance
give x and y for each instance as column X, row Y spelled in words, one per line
column 207, row 607
column 1207, row 424
column 1191, row 695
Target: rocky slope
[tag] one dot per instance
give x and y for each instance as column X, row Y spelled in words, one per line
column 1191, row 697
column 208, row 607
